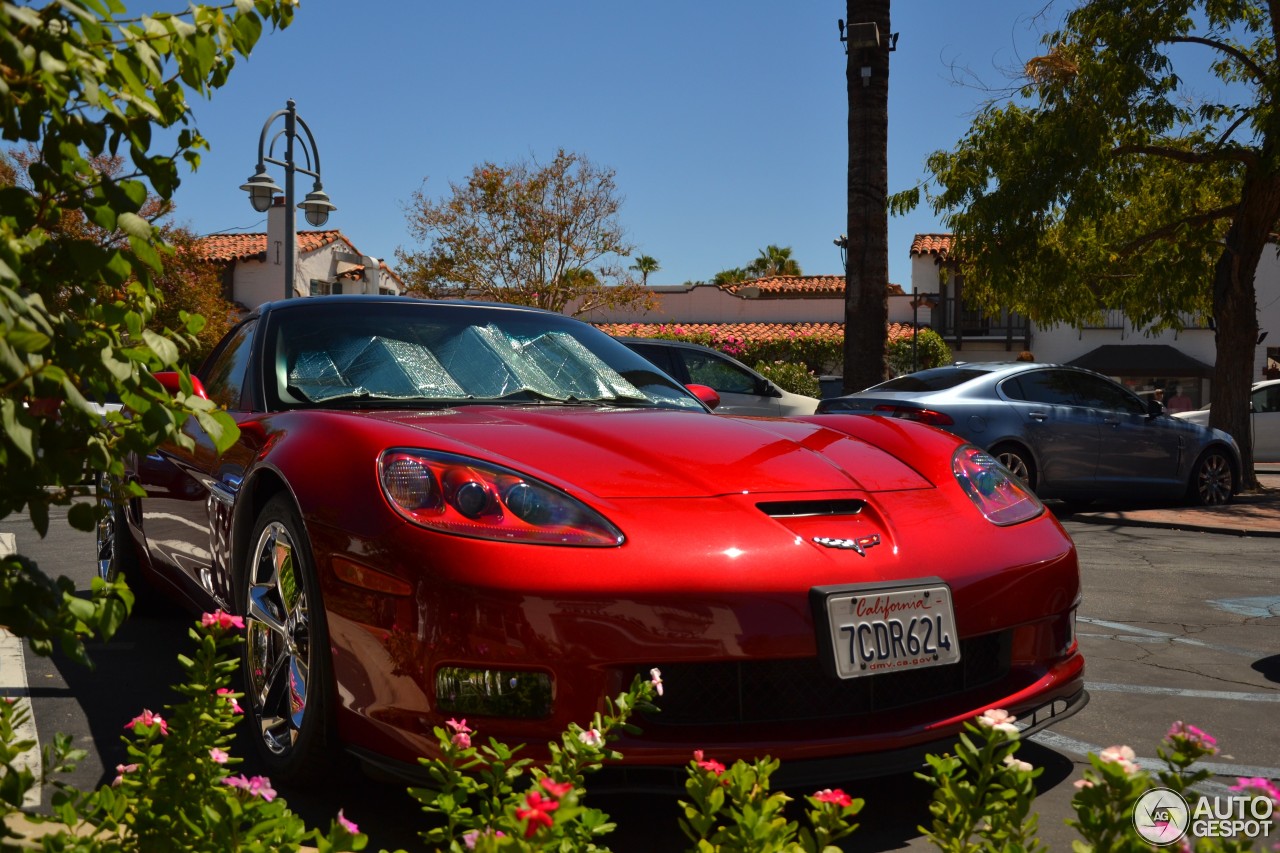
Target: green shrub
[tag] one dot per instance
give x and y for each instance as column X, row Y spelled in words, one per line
column 930, row 351
column 790, row 376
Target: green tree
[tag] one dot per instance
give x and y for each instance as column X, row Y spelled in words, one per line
column 731, row 276
column 774, row 260
column 81, row 81
column 866, row 272
column 644, row 265
column 525, row 233
column 1110, row 182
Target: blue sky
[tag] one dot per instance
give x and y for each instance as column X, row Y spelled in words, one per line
column 725, row 121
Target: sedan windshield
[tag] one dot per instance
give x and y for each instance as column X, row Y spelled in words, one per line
column 428, row 355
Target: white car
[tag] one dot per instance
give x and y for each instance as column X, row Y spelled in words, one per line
column 742, row 391
column 1265, row 405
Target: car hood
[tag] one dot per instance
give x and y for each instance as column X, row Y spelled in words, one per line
column 620, row 453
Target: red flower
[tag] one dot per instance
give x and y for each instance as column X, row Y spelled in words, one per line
column 712, row 766
column 838, row 797
column 538, row 813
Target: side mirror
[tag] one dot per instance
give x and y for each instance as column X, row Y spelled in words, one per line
column 706, row 394
column 172, row 382
column 765, row 388
column 1154, row 408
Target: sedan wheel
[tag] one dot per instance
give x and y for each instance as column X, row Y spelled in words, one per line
column 1211, row 480
column 1019, row 463
column 285, row 664
column 112, row 549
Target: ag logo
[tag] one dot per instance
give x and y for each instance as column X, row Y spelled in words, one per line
column 1161, row 816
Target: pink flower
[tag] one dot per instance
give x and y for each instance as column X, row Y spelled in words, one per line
column 999, row 720
column 655, row 678
column 1081, row 784
column 1193, row 737
column 837, row 797
column 258, row 786
column 349, row 826
column 461, row 740
column 222, row 619
column 460, row 726
column 711, row 766
column 122, row 769
column 218, row 756
column 1262, row 786
column 470, row 837
column 1018, row 764
column 554, row 788
column 235, row 706
column 146, row 718
column 538, row 812
column 1122, row 755
column 591, row 737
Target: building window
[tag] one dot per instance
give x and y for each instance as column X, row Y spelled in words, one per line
column 325, row 288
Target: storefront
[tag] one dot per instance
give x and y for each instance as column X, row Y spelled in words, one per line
column 1158, row 371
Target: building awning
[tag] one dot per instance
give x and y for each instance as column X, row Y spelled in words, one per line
column 1142, row 360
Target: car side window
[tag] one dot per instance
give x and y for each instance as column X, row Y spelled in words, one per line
column 224, row 375
column 659, row 355
column 1097, row 393
column 1267, row 399
column 707, row 369
column 1051, row 387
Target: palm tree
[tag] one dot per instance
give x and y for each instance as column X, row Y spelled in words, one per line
column 644, row 265
column 774, row 260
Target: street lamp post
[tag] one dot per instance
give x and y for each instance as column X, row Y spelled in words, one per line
column 262, row 190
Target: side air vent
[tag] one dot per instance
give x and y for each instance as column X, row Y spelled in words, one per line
column 801, row 509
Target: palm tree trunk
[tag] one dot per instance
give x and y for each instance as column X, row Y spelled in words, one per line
column 866, row 310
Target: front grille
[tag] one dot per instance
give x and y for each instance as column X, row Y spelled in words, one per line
column 795, row 690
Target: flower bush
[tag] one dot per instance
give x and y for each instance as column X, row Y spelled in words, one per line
column 180, row 790
column 819, row 347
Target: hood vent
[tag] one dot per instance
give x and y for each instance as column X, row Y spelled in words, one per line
column 802, row 509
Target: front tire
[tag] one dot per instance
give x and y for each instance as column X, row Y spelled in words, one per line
column 117, row 557
column 1211, row 479
column 287, row 673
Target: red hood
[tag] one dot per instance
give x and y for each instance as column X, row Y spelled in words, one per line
column 620, row 453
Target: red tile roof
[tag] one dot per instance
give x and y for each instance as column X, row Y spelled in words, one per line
column 796, row 286
column 752, row 331
column 239, row 247
column 931, row 244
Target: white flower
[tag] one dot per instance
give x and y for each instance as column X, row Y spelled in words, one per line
column 591, row 737
column 655, row 678
column 1018, row 764
column 999, row 720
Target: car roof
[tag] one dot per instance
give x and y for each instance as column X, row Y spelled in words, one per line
column 378, row 298
column 666, row 342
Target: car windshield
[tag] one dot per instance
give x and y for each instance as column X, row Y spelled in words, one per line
column 392, row 355
column 931, row 380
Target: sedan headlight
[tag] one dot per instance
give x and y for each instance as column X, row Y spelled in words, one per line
column 998, row 494
column 469, row 497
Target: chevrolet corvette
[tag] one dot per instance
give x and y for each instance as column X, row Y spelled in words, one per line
column 441, row 510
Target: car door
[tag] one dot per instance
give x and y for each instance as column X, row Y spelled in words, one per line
column 190, row 489
column 1137, row 449
column 1063, row 435
column 1266, row 423
column 742, row 392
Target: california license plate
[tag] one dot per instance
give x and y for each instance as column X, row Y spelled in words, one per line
column 867, row 629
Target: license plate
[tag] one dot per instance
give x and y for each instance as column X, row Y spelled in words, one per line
column 874, row 629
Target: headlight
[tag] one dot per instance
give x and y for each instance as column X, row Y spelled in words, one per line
column 998, row 494
column 468, row 497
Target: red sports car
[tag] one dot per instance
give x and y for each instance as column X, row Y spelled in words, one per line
column 453, row 509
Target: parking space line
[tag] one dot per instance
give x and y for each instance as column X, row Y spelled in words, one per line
column 1234, row 696
column 1063, row 743
column 1148, row 635
column 13, row 685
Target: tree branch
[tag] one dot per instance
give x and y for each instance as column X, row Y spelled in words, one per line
column 1258, row 74
column 1240, row 155
column 1173, row 227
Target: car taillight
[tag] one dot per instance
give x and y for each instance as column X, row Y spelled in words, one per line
column 914, row 413
column 998, row 494
column 468, row 497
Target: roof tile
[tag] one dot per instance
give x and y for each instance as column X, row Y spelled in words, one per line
column 796, row 286
column 237, row 247
column 932, row 244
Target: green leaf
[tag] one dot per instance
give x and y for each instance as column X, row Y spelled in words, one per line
column 134, row 225
column 164, row 348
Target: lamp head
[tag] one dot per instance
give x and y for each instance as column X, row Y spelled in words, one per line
column 316, row 206
column 261, row 190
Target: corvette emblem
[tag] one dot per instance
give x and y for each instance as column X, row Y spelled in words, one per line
column 861, row 544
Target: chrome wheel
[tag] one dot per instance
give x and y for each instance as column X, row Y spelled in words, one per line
column 1211, row 480
column 109, row 529
column 278, row 649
